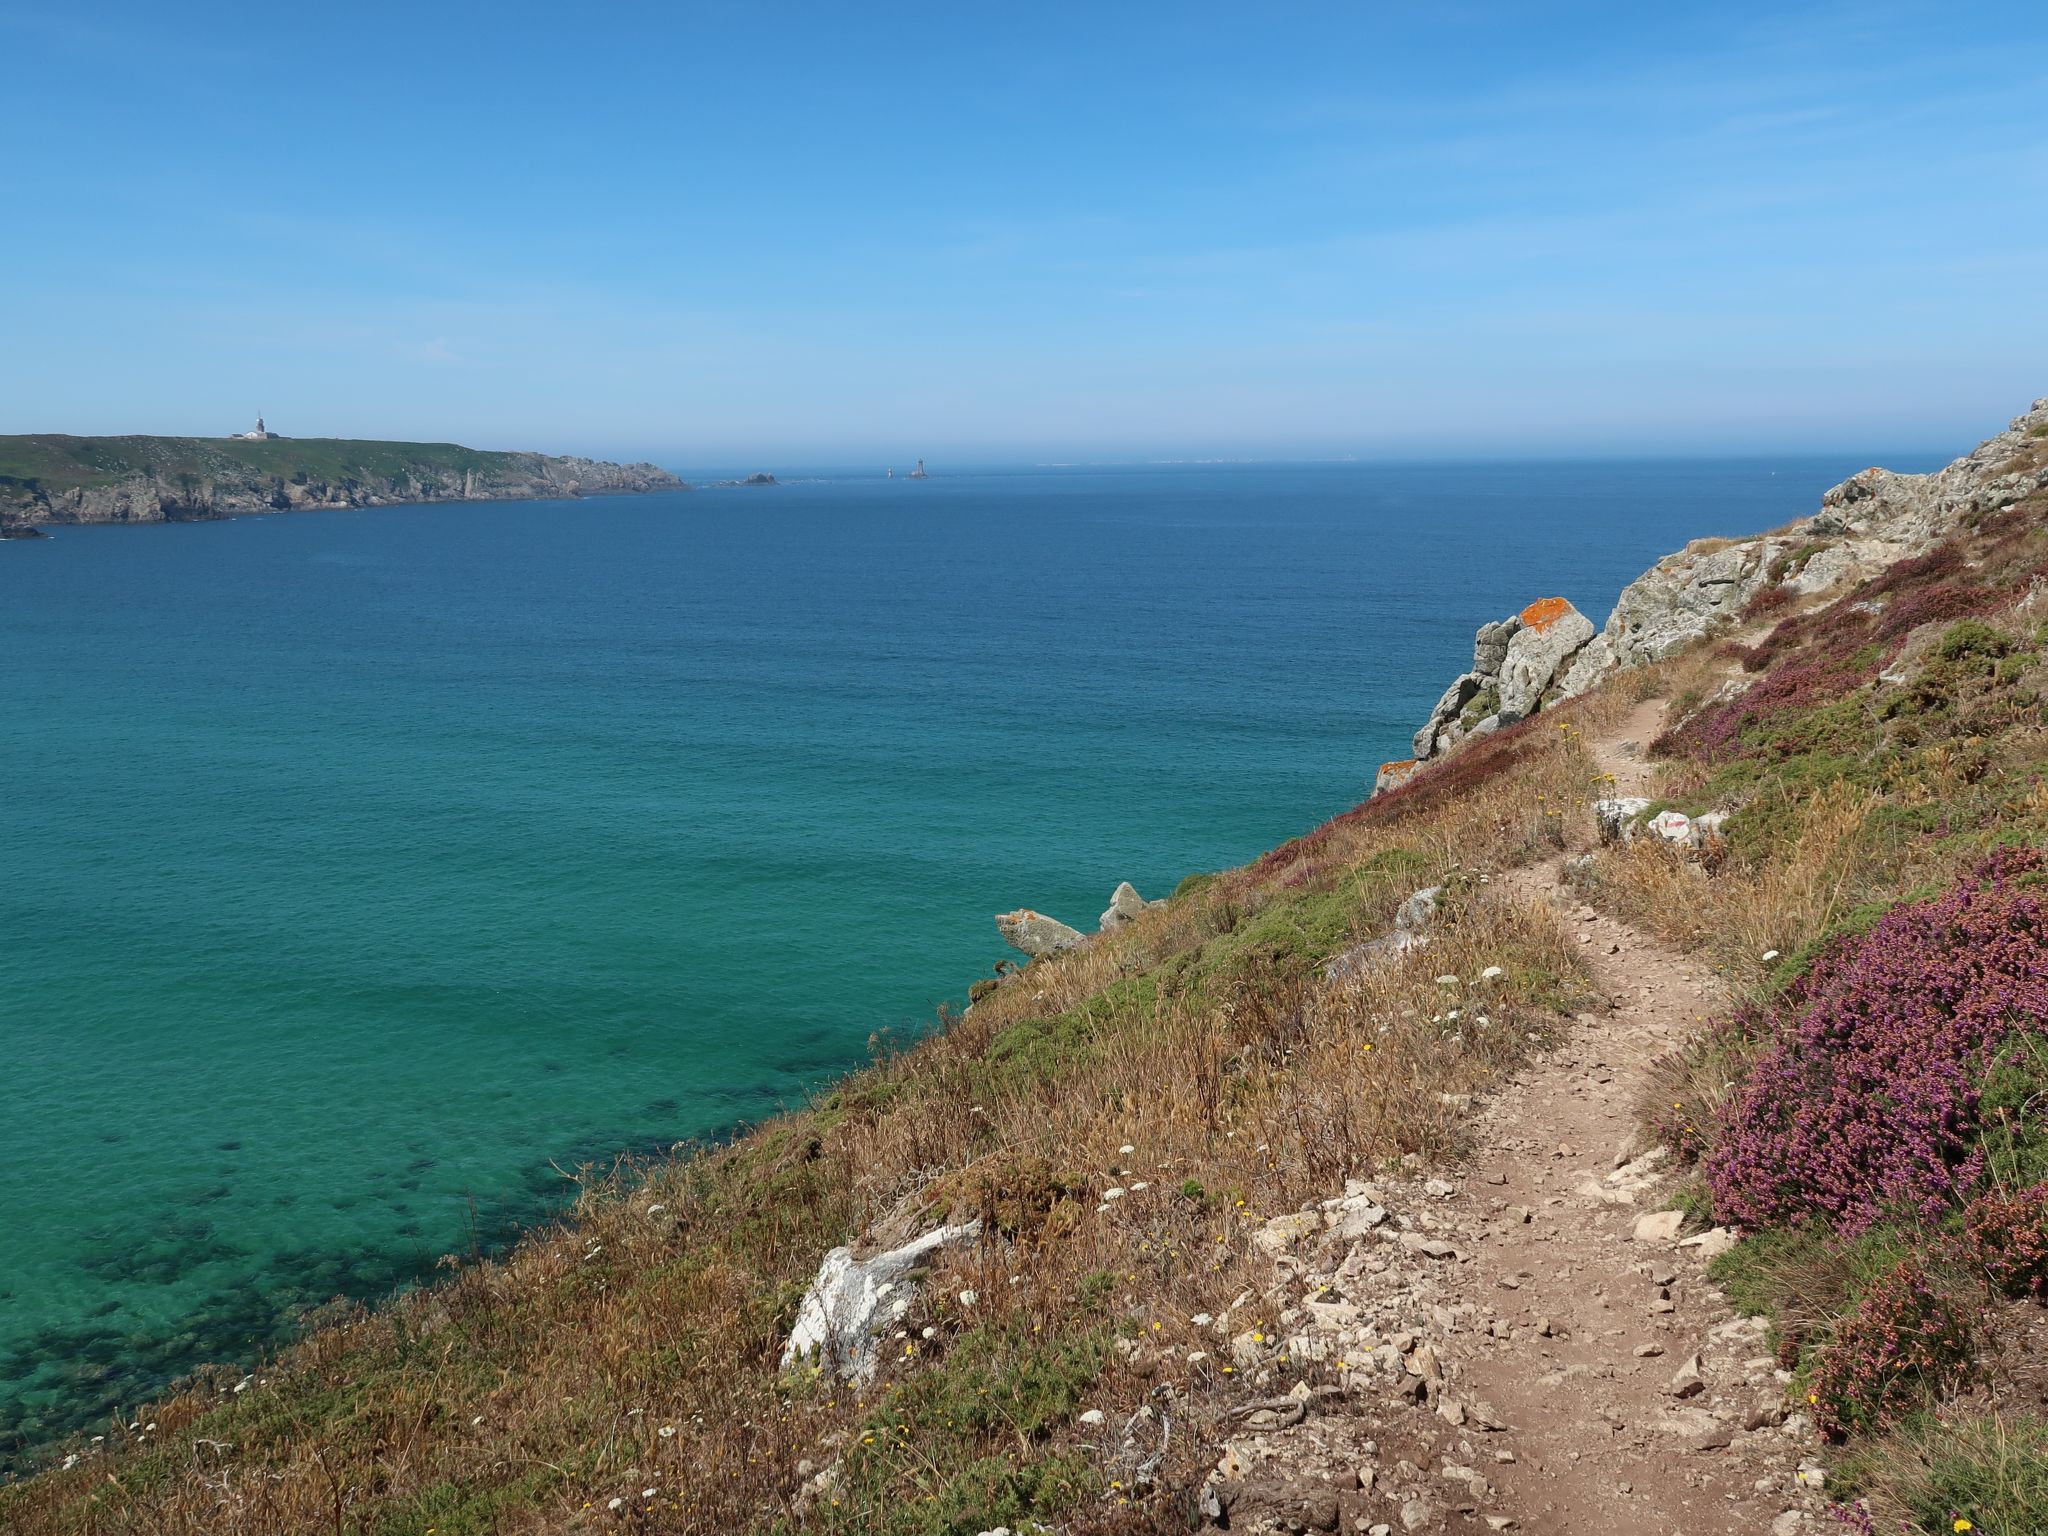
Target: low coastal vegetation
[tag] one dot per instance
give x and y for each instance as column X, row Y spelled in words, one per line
column 1875, row 1116
column 1119, row 1121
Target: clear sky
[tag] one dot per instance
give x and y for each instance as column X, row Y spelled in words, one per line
column 794, row 232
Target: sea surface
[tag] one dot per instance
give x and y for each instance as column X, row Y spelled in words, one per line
column 363, row 874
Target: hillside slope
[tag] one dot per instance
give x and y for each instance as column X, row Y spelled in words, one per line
column 51, row 478
column 1637, row 1119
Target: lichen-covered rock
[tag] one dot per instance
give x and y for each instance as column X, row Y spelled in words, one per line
column 1594, row 661
column 1550, row 651
column 1393, row 775
column 1687, row 596
column 1549, row 636
column 1035, row 933
column 1516, row 661
column 1915, row 511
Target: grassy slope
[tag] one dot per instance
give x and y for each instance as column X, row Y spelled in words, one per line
column 528, row 1394
column 1889, row 740
column 58, row 463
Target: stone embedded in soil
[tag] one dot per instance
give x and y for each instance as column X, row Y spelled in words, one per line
column 1659, row 1227
column 1688, row 1381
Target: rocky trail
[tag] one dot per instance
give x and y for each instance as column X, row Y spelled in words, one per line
column 1533, row 1345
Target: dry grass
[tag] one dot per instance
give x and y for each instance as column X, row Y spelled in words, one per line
column 1986, row 1466
column 526, row 1394
column 1737, row 914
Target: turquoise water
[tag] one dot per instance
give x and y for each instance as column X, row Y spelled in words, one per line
column 359, row 871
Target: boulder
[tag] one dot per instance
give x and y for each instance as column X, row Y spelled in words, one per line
column 1410, row 930
column 1414, row 914
column 1035, row 933
column 852, row 1302
column 1659, row 1227
column 1672, row 826
column 1124, row 904
column 1711, row 1244
column 1616, row 818
column 1393, row 775
column 1549, row 636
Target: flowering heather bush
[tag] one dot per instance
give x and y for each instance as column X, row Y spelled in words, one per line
column 1868, row 1105
column 1813, row 659
column 1906, row 1341
column 2006, row 1236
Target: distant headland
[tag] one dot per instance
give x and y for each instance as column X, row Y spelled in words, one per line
column 51, row 478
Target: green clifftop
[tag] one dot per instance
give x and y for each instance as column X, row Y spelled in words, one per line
column 54, row 478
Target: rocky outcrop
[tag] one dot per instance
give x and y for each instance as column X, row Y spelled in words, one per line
column 852, row 1302
column 1684, row 598
column 1872, row 520
column 1412, row 920
column 1124, row 904
column 1915, row 511
column 1035, row 933
column 1869, row 522
column 1393, row 775
column 1517, row 663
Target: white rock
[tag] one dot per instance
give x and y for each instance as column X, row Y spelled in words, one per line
column 1616, row 817
column 1672, row 826
column 851, row 1302
column 1659, row 1227
column 1711, row 1244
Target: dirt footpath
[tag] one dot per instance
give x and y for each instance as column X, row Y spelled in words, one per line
column 1532, row 1346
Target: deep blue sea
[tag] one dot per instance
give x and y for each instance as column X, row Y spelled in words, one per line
column 361, row 870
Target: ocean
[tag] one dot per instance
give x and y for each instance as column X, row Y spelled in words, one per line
column 365, row 874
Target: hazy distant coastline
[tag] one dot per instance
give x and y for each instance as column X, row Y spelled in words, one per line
column 52, row 478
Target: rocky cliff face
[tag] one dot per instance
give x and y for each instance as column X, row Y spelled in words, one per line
column 1870, row 521
column 227, row 489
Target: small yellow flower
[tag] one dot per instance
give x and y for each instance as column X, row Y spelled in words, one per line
column 1963, row 1525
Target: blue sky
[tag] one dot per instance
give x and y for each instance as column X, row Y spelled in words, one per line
column 799, row 233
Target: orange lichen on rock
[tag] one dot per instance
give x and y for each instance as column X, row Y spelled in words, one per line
column 1544, row 612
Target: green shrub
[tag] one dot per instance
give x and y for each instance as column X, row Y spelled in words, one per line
column 1934, row 1470
column 1968, row 637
